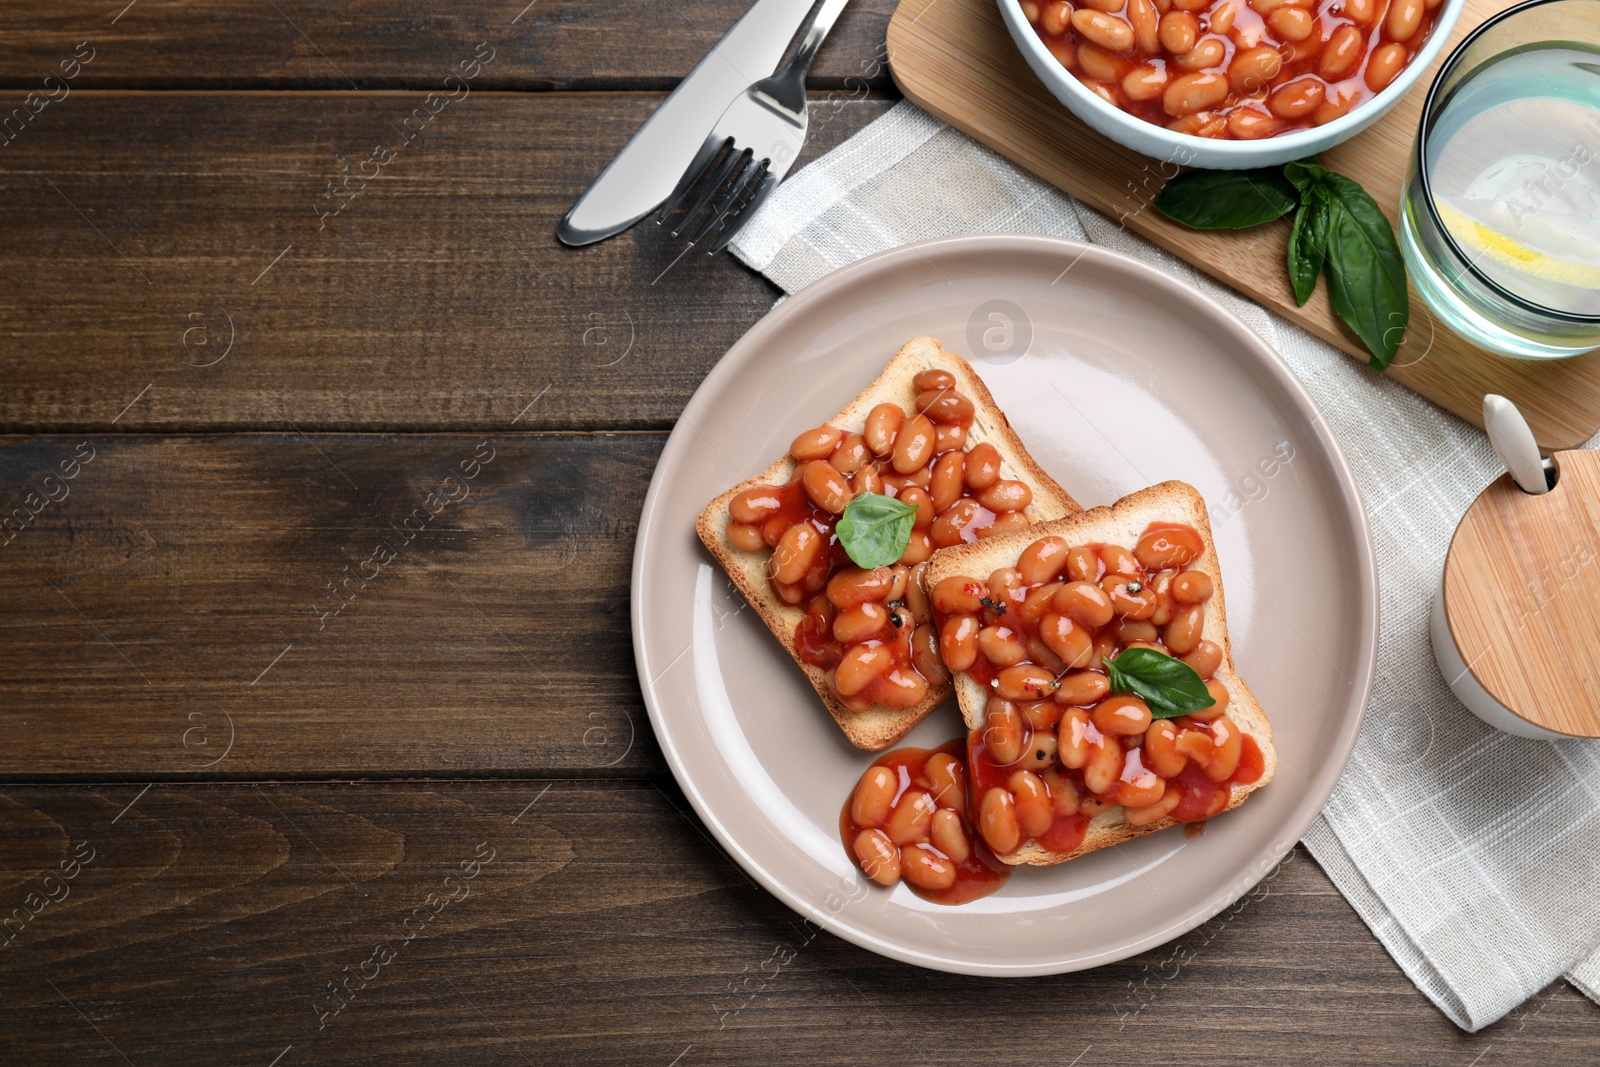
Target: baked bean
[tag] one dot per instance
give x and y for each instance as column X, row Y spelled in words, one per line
column 1122, row 714
column 1086, row 604
column 866, row 480
column 1253, row 69
column 794, row 553
column 1220, row 694
column 874, row 797
column 853, row 586
column 754, row 505
column 1145, row 20
column 1179, row 30
column 925, row 653
column 860, row 666
column 1129, row 597
column 1191, row 5
column 1082, row 688
column 982, row 466
column 1119, row 560
column 1083, row 564
column 1267, row 7
column 1138, row 786
column 1040, row 653
column 1089, row 806
column 1248, row 124
column 1160, row 584
column 1161, row 751
column 1104, row 765
column 1038, row 602
column 1360, row 11
column 1292, row 23
column 883, row 422
column 851, row 455
column 910, row 818
column 1041, row 717
column 1384, row 64
column 1220, row 20
column 1189, row 93
column 1207, row 52
column 913, row 497
column 1341, row 54
column 1041, row 561
column 1200, row 124
column 1071, row 642
column 1144, row 816
column 1145, row 82
column 787, row 592
column 1100, row 89
column 958, row 642
column 944, row 405
column 957, row 524
column 1172, row 546
column 860, row 622
column 1182, row 634
column 1205, row 658
column 1031, row 801
column 1106, row 31
column 949, row 836
column 1110, row 7
column 997, row 821
column 1298, row 98
column 933, row 378
column 944, row 486
column 1135, row 631
column 1005, row 588
column 913, row 445
column 1025, row 681
column 1403, row 19
column 1004, row 731
column 826, row 487
column 1063, row 794
column 1001, row 645
column 947, row 781
column 878, row 856
column 745, row 537
column 1228, row 740
column 918, row 549
column 1006, row 495
column 1105, row 646
column 1191, row 587
column 917, row 593
column 958, row 593
column 1056, row 17
column 1007, row 522
column 1072, row 738
column 1100, row 64
column 948, row 436
column 815, row 444
column 1030, row 11
column 926, row 869
column 1335, row 108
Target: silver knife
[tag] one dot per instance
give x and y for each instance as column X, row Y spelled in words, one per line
column 647, row 168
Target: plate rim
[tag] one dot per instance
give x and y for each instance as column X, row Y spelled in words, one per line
column 1261, row 355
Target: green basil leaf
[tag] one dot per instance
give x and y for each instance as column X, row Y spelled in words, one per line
column 1170, row 686
column 875, row 529
column 1303, row 174
column 1366, row 276
column 1227, row 199
column 1308, row 242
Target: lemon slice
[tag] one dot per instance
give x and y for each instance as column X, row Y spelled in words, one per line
column 1513, row 254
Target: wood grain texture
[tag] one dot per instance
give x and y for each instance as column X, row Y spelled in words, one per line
column 387, row 44
column 607, row 929
column 955, row 59
column 1522, row 596
column 296, row 605
column 146, row 233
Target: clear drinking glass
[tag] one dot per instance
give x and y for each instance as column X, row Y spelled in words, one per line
column 1500, row 222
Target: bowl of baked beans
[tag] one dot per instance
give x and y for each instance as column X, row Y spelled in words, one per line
column 1229, row 83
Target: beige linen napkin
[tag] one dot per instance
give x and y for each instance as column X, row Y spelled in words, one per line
column 1472, row 855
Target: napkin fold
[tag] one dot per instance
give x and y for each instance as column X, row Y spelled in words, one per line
column 1472, row 855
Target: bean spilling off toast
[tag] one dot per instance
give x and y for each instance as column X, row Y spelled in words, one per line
column 910, row 546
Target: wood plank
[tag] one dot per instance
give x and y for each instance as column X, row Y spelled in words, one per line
column 321, row 605
column 146, row 232
column 387, row 44
column 959, row 63
column 210, row 921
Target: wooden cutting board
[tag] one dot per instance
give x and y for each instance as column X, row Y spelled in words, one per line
column 954, row 59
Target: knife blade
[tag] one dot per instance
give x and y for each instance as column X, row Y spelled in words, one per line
column 645, row 171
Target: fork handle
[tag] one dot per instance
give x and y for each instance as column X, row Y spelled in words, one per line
column 827, row 15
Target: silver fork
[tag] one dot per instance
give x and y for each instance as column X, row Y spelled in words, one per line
column 752, row 145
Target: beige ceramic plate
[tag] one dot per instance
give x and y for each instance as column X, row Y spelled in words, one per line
column 1115, row 376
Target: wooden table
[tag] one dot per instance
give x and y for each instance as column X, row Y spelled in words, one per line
column 276, row 795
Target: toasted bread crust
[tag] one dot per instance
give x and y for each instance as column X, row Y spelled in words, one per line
column 877, row 727
column 1121, row 523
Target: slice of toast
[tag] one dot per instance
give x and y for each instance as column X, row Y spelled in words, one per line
column 1122, row 523
column 878, row 726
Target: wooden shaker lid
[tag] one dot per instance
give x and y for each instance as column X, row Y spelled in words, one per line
column 1522, row 596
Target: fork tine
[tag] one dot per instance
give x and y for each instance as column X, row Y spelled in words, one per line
column 751, row 169
column 697, row 167
column 769, row 182
column 712, row 185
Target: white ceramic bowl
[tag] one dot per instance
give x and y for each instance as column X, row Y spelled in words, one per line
column 1190, row 151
